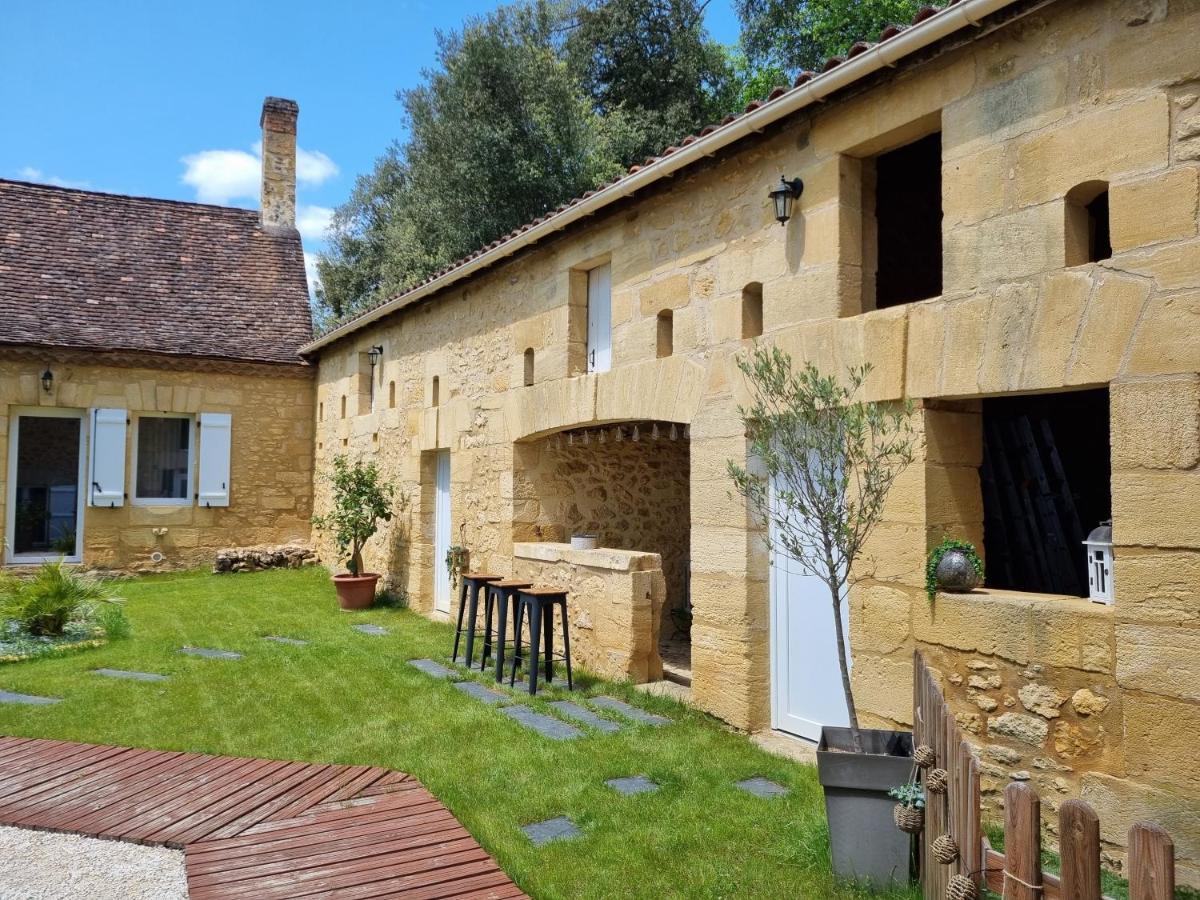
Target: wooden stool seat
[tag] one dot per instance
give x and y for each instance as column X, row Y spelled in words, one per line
column 544, row 591
column 511, row 583
column 480, row 576
column 499, row 596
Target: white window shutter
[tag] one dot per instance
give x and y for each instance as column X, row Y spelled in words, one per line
column 106, row 476
column 215, row 444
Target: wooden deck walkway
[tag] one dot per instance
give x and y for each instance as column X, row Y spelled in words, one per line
column 253, row 827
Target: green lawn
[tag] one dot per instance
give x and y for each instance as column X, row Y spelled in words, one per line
column 350, row 698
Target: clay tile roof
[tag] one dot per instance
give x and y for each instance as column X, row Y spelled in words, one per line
column 98, row 271
column 857, row 48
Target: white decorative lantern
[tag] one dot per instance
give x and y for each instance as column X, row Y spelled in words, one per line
column 1100, row 563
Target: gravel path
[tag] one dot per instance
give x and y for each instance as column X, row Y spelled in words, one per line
column 38, row 865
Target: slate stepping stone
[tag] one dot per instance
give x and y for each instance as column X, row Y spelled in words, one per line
column 430, row 667
column 210, row 653
column 586, row 716
column 370, row 629
column 27, row 699
column 634, row 784
column 557, row 829
column 479, row 692
column 293, row 642
column 762, row 787
column 130, row 676
column 547, row 726
column 630, row 712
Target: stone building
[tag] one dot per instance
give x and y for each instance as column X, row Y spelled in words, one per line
column 153, row 406
column 999, row 213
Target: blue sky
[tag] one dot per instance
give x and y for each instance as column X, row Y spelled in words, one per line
column 131, row 97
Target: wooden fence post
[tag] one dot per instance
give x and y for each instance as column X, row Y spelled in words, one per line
column 1151, row 863
column 1079, row 847
column 1022, row 843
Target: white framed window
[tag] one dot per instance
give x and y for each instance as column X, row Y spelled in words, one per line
column 163, row 460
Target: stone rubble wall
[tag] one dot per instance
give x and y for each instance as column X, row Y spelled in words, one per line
column 254, row 559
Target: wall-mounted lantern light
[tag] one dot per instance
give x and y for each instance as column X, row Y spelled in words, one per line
column 373, row 355
column 47, row 381
column 783, row 194
column 1100, row 563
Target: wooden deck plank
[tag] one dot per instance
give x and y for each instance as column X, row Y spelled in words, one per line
column 254, row 828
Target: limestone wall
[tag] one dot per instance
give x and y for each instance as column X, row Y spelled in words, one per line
column 1074, row 92
column 270, row 460
column 632, row 494
column 615, row 599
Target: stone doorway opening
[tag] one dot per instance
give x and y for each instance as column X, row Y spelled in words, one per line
column 627, row 483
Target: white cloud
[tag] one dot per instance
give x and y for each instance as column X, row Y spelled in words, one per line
column 29, row 173
column 222, row 176
column 313, row 222
column 314, row 278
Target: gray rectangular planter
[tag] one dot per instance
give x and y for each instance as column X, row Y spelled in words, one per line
column 865, row 843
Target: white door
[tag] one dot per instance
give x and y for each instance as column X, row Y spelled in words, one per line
column 47, row 469
column 441, row 534
column 599, row 336
column 806, row 683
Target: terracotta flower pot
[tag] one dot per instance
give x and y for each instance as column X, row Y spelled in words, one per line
column 355, row 591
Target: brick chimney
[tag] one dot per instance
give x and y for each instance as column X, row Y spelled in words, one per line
column 279, row 162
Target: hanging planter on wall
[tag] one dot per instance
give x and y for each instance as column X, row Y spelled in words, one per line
column 924, row 756
column 936, row 780
column 909, row 819
column 962, row 887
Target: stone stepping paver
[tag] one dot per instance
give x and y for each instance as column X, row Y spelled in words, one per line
column 27, row 699
column 370, row 629
column 586, row 716
column 633, row 784
column 547, row 726
column 130, row 676
column 210, row 653
column 762, row 787
column 294, row 642
column 431, row 667
column 480, row 692
column 630, row 712
column 559, row 828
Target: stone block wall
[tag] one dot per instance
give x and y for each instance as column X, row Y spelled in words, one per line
column 270, row 459
column 1069, row 94
column 615, row 598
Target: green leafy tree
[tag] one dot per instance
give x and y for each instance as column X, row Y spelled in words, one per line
column 650, row 69
column 825, row 464
column 361, row 500
column 791, row 35
column 499, row 134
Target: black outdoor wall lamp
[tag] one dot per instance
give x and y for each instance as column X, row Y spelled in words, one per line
column 373, row 355
column 783, row 194
column 47, row 381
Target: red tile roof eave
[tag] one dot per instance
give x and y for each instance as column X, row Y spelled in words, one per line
column 809, row 88
column 299, row 362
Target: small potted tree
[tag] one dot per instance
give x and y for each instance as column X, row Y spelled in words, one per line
column 360, row 502
column 824, row 462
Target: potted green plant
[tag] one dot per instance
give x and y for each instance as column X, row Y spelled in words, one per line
column 953, row 566
column 824, row 464
column 361, row 500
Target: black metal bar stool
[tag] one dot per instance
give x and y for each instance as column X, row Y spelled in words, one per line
column 470, row 584
column 540, row 603
column 500, row 595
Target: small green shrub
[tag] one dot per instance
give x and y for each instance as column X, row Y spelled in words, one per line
column 111, row 617
column 55, row 596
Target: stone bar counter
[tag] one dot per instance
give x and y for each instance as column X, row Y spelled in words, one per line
column 614, row 598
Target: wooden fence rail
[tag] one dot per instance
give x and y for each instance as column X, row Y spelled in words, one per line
column 1017, row 873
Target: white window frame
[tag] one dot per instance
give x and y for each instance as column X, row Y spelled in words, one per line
column 188, row 498
column 10, row 524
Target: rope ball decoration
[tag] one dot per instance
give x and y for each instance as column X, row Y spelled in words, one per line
column 961, row 887
column 944, row 849
column 924, row 756
column 936, row 781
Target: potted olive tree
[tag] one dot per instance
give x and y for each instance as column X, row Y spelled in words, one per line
column 824, row 462
column 360, row 501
